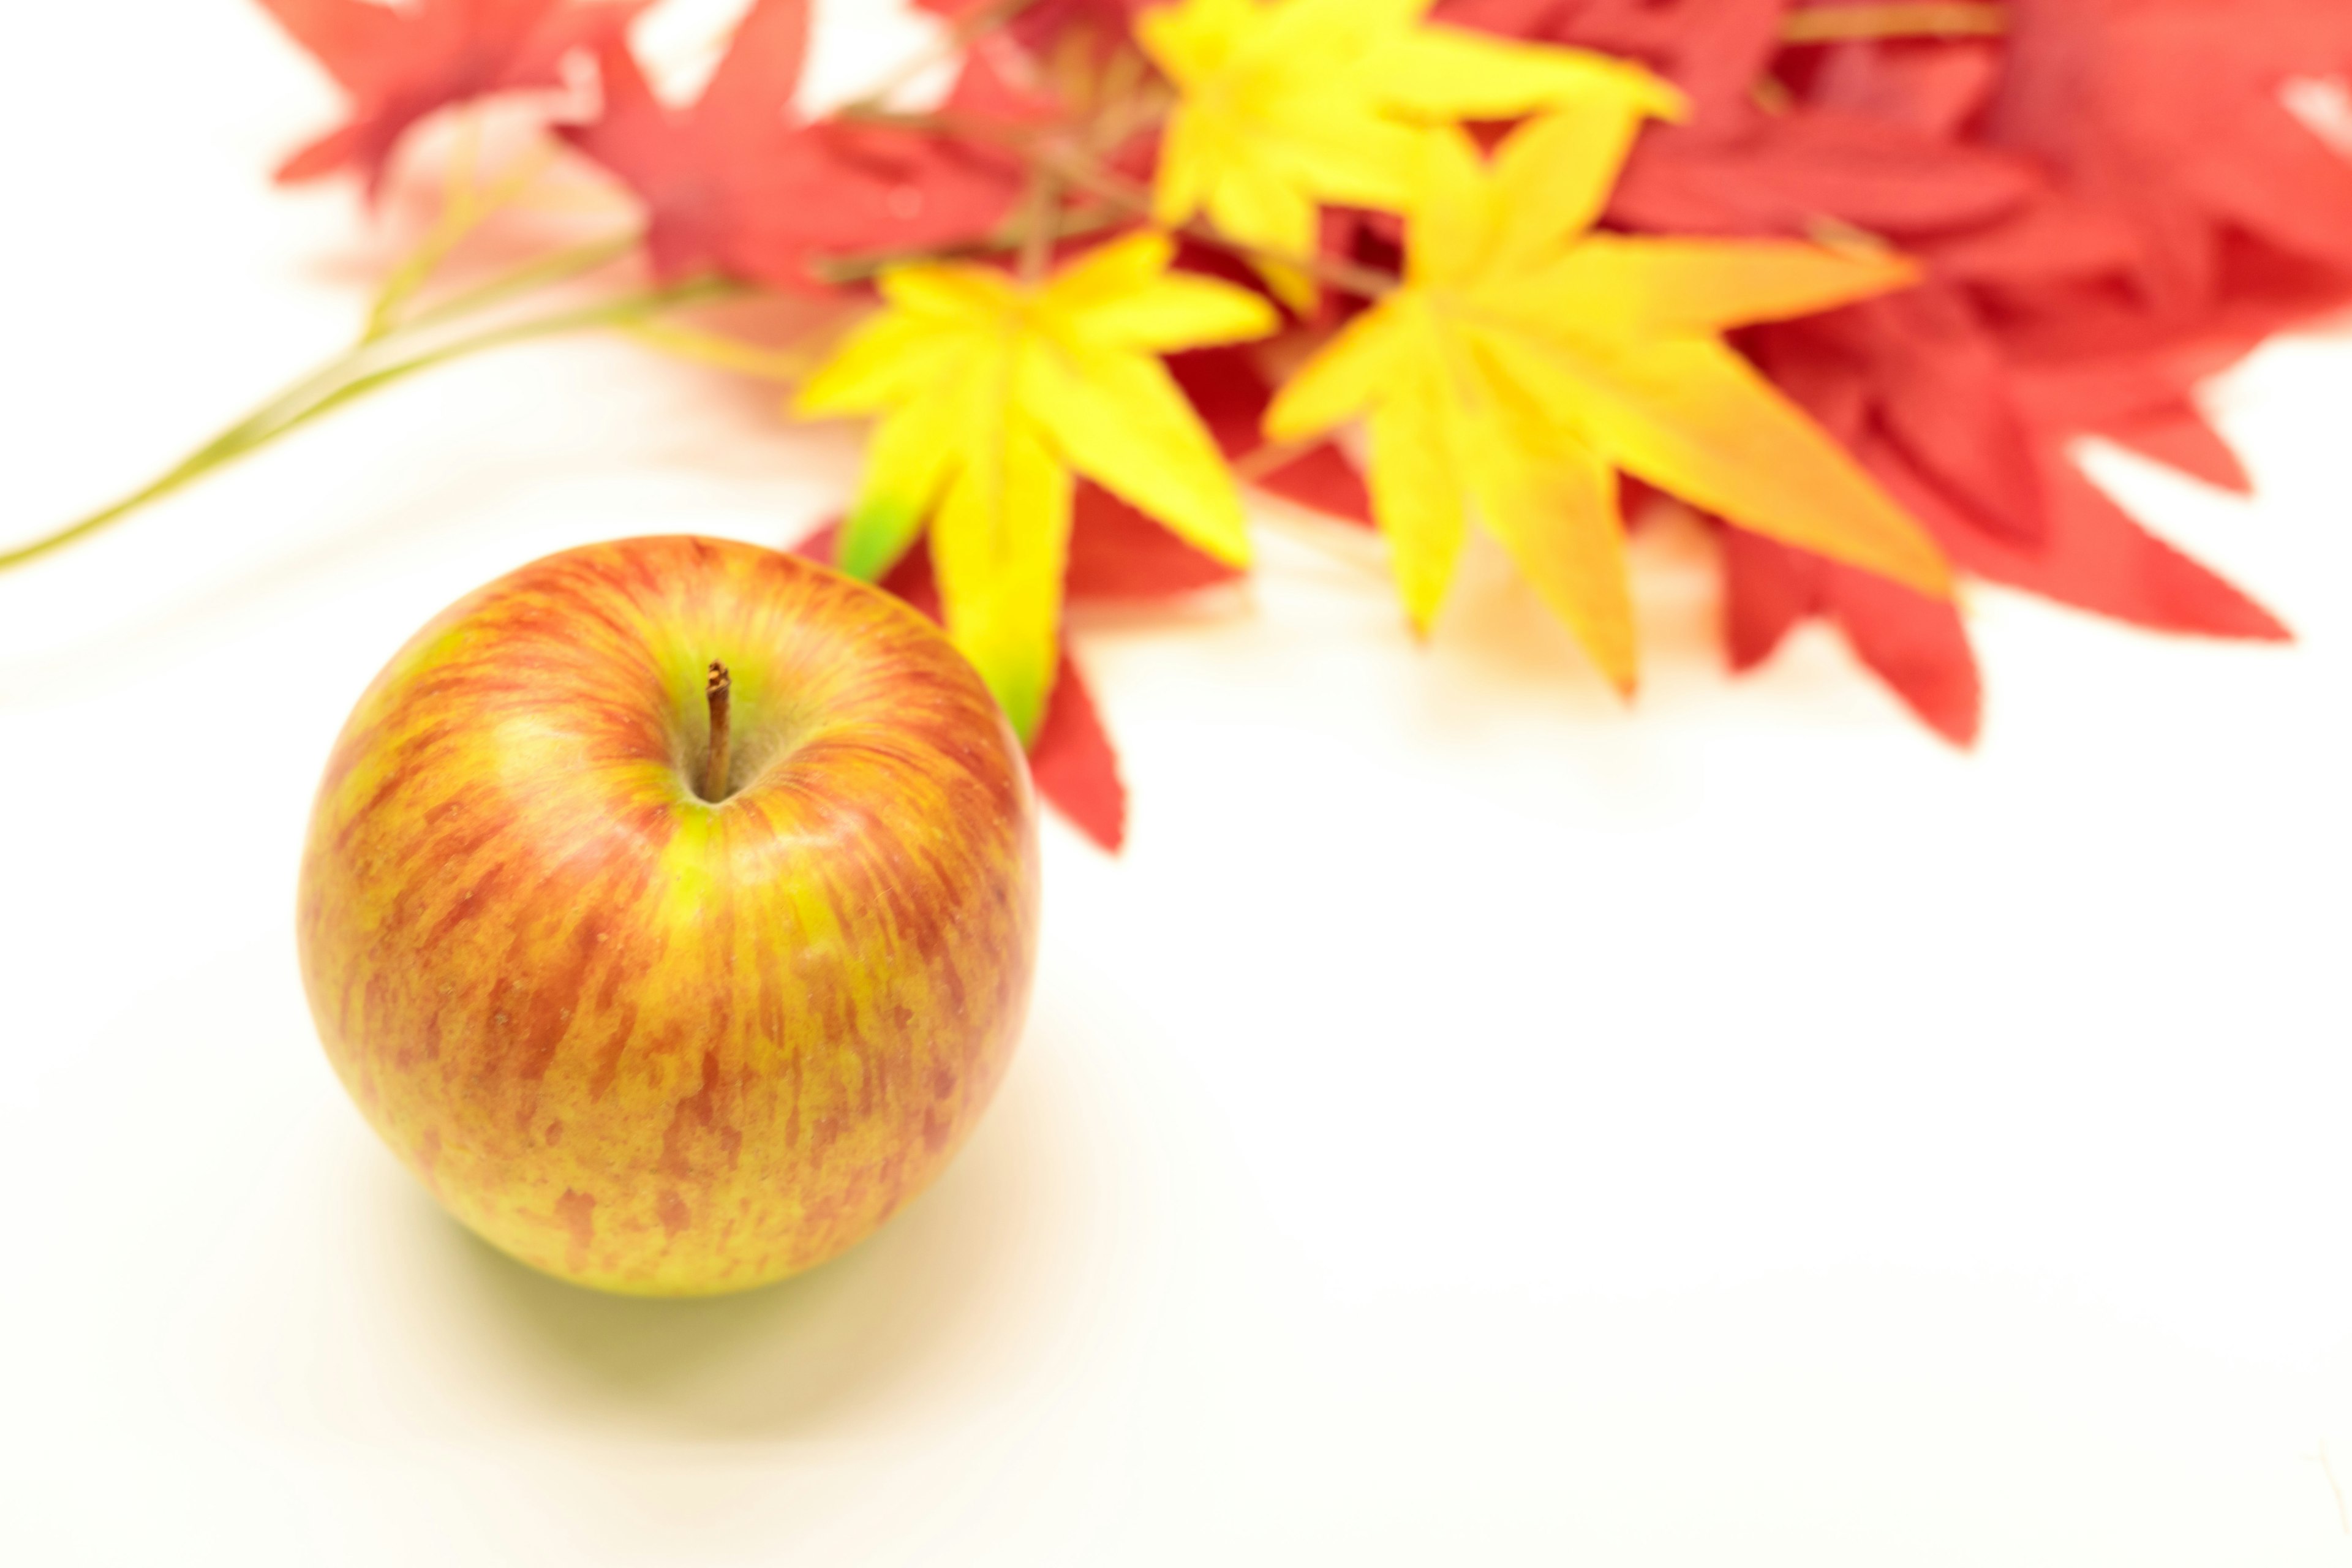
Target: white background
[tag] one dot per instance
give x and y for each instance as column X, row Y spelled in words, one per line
column 1474, row 1122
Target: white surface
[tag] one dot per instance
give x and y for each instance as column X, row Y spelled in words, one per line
column 1473, row 1123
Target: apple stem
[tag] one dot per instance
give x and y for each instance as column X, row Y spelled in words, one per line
column 721, row 690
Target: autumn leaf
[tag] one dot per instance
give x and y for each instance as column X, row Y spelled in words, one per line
column 994, row 394
column 1285, row 106
column 1232, row 394
column 737, row 184
column 1526, row 361
column 1968, row 419
column 2088, row 551
column 2164, row 118
column 2096, row 557
column 1918, row 646
column 1117, row 556
column 401, row 64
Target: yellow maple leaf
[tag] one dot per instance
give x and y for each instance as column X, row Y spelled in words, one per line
column 1283, row 106
column 993, row 391
column 1526, row 361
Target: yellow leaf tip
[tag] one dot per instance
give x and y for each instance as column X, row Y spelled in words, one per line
column 1661, row 100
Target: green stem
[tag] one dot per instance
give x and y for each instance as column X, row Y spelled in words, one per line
column 1861, row 23
column 560, row 267
column 353, row 375
column 465, row 209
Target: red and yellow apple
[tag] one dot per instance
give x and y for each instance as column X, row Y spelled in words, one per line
column 643, row 1039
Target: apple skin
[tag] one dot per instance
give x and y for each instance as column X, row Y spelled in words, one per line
column 643, row 1042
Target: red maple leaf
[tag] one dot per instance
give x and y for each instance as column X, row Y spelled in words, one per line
column 1874, row 144
column 1958, row 431
column 2164, row 118
column 398, row 66
column 1231, row 395
column 737, row 185
column 1917, row 644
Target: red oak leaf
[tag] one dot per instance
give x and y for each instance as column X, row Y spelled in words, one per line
column 398, row 66
column 735, row 184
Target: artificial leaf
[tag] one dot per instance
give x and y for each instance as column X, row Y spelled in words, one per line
column 1116, row 556
column 993, row 394
column 1288, row 105
column 1790, row 174
column 1075, row 764
column 399, row 64
column 2165, row 117
column 1712, row 49
column 1959, row 447
column 1874, row 144
column 1918, row 646
column 1922, row 364
column 2095, row 557
column 736, row 185
column 1072, row 760
column 2178, row 436
column 1232, row 395
column 1526, row 360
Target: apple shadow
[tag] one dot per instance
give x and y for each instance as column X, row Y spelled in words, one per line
column 957, row 1292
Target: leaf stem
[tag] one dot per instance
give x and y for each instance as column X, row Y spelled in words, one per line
column 1861, row 24
column 1091, row 176
column 1041, row 228
column 719, row 351
column 364, row 368
column 1270, row 458
column 859, row 266
column 1347, row 277
column 558, row 267
column 465, row 209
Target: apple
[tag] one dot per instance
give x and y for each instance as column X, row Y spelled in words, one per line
column 670, row 907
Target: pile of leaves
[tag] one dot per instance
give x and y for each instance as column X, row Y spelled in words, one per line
column 1850, row 281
